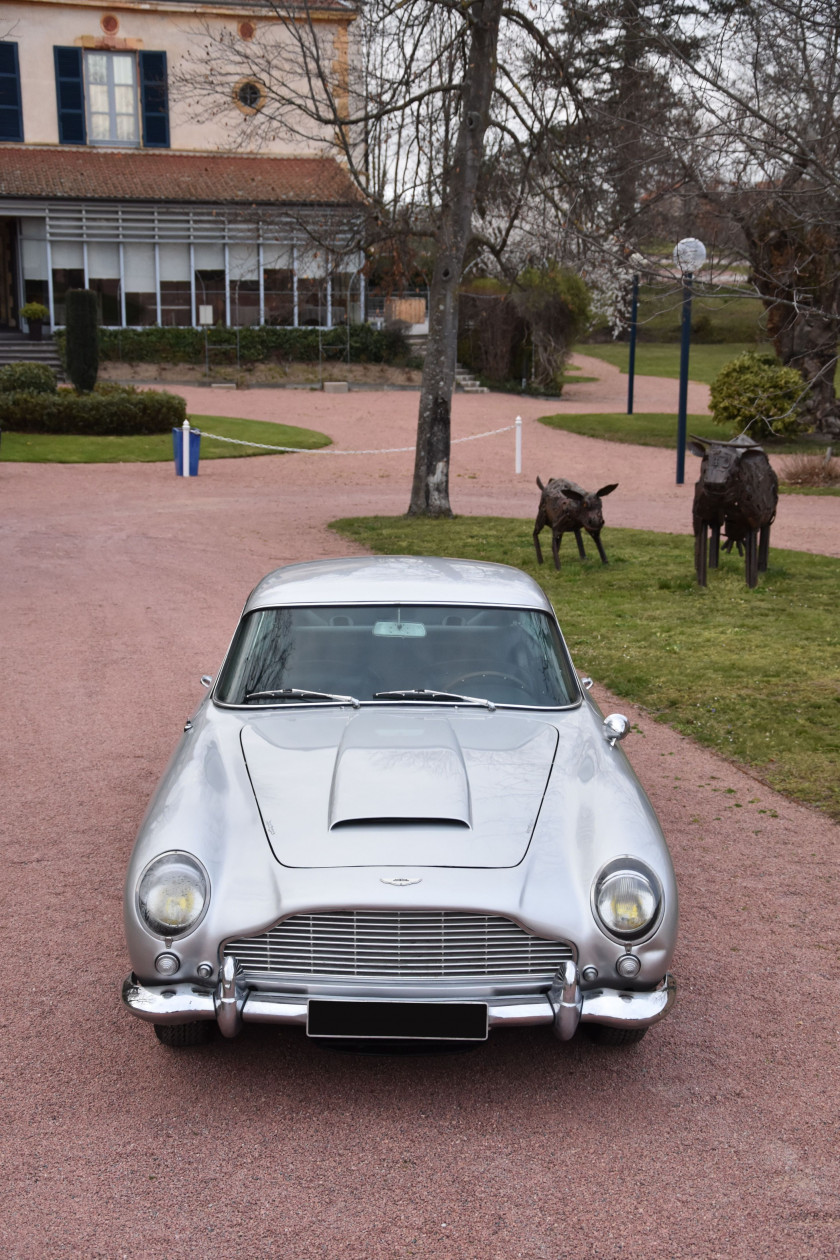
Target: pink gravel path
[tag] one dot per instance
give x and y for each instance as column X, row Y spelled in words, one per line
column 715, row 1138
column 483, row 478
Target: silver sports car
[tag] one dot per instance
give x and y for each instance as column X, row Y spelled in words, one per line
column 397, row 815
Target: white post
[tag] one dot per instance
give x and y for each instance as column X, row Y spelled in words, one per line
column 185, row 448
column 518, row 427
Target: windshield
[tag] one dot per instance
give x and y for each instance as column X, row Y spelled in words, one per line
column 511, row 656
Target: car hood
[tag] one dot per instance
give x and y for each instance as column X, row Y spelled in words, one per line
column 398, row 787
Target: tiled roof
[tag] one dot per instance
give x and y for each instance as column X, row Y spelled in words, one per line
column 145, row 175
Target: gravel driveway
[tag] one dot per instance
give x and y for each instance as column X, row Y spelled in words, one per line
column 715, row 1137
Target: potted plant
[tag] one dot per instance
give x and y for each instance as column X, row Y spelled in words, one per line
column 34, row 313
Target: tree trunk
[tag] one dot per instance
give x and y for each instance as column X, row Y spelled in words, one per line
column 796, row 270
column 430, row 489
column 807, row 341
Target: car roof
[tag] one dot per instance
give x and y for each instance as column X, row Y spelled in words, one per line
column 404, row 579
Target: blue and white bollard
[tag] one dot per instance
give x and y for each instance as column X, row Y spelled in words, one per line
column 185, row 444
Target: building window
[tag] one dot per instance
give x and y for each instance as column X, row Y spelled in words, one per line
column 111, row 81
column 249, row 96
column 11, row 117
column 112, row 98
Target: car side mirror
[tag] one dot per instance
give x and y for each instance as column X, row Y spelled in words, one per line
column 586, row 682
column 616, row 726
column 207, row 680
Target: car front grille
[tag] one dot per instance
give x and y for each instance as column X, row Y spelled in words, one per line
column 402, row 944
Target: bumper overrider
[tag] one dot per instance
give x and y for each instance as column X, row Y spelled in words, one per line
column 231, row 1003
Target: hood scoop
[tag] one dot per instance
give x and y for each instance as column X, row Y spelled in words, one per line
column 415, row 774
column 391, row 787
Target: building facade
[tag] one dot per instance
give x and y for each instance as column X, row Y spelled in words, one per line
column 110, row 181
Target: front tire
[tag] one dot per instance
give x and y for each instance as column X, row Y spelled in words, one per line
column 179, row 1035
column 606, row 1035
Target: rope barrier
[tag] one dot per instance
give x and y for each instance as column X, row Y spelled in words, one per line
column 326, row 450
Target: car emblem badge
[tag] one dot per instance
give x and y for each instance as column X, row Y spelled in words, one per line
column 400, row 881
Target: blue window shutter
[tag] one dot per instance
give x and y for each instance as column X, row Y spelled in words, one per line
column 70, row 94
column 11, row 114
column 153, row 100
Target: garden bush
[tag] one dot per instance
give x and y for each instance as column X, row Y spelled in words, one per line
column 30, row 378
column 81, row 346
column 112, row 410
column 256, row 345
column 754, row 392
column 526, row 331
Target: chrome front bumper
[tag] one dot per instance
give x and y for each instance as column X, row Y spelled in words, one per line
column 565, row 1005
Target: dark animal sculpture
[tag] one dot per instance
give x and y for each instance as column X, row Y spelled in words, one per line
column 565, row 507
column 737, row 491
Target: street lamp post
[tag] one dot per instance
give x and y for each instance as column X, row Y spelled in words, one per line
column 634, row 319
column 689, row 256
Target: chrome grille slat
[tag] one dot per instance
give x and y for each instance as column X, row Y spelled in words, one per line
column 416, row 944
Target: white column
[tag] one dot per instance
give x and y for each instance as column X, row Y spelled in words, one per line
column 227, row 285
column 294, row 286
column 262, row 282
column 158, row 313
column 193, row 319
column 50, row 297
column 122, row 284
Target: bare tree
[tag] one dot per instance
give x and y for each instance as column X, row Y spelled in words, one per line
column 767, row 155
column 417, row 99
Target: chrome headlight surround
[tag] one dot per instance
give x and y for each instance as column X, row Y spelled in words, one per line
column 642, row 882
column 172, row 895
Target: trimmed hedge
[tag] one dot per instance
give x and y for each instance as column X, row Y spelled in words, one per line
column 30, row 378
column 81, row 344
column 256, row 345
column 756, row 392
column 111, row 410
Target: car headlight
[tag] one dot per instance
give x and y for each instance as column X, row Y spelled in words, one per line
column 172, row 894
column 626, row 901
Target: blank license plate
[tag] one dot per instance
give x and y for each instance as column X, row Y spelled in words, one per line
column 415, row 1021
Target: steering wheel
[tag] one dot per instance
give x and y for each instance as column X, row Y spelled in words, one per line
column 462, row 680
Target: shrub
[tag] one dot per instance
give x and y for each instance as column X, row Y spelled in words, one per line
column 816, row 471
column 256, row 345
column 492, row 336
column 116, row 411
column 555, row 303
column 34, row 311
column 81, row 347
column 755, row 392
column 30, row 378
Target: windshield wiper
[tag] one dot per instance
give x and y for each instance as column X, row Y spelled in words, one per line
column 298, row 693
column 424, row 693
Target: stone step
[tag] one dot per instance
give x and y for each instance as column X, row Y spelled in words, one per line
column 15, row 348
column 467, row 383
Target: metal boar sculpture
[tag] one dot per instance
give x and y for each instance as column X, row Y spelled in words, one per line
column 737, row 491
column 566, row 507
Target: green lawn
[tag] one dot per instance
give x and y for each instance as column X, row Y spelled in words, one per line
column 752, row 674
column 643, row 428
column 651, row 428
column 663, row 358
column 46, row 448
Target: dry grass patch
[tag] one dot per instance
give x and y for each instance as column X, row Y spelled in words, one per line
column 814, row 472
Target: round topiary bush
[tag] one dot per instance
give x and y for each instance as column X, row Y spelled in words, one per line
column 28, row 378
column 755, row 393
